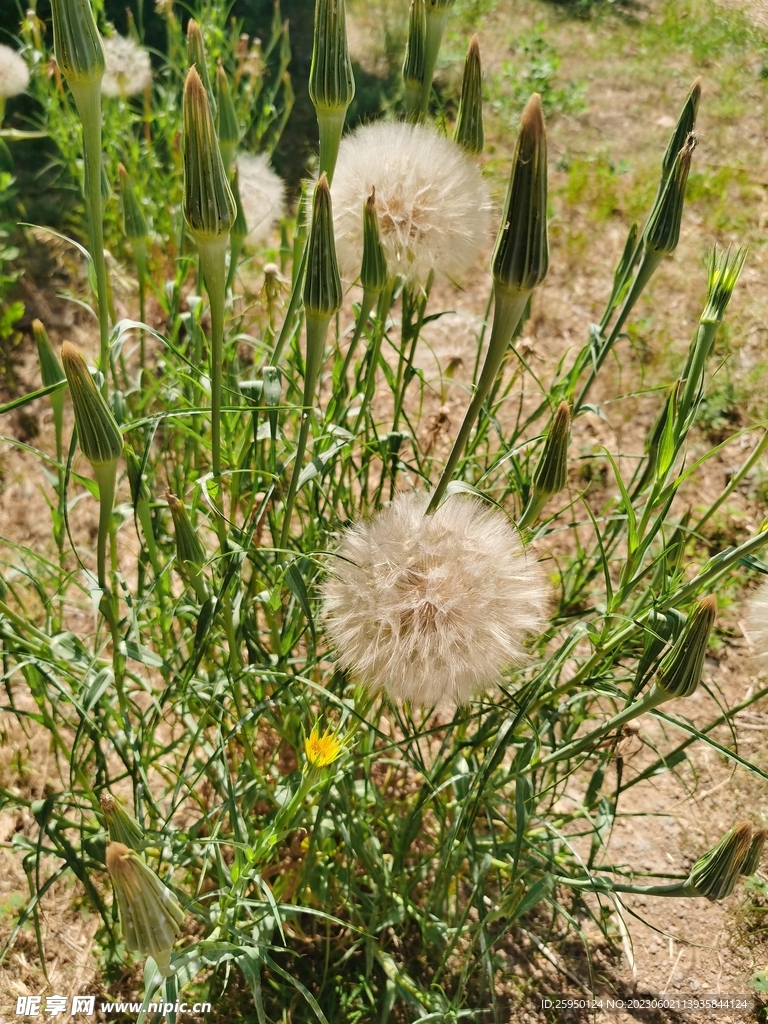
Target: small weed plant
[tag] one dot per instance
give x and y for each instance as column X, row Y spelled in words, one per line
column 332, row 701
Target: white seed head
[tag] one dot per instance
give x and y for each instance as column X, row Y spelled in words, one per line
column 757, row 624
column 432, row 202
column 432, row 609
column 128, row 70
column 14, row 73
column 262, row 194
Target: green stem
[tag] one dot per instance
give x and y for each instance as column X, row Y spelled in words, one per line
column 603, row 884
column 509, row 308
column 293, row 304
column 330, row 124
column 648, row 702
column 317, row 328
column 436, row 21
column 212, row 260
column 649, row 263
column 106, row 474
column 88, row 102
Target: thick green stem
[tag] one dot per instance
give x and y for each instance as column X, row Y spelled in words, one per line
column 436, row 22
column 369, row 298
column 212, row 260
column 509, row 308
column 317, row 329
column 330, row 124
column 106, row 475
column 602, row 884
column 88, row 102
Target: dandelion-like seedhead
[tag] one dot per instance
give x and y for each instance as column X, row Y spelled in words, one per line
column 431, row 609
column 262, row 194
column 757, row 624
column 14, row 73
column 432, row 202
column 128, row 71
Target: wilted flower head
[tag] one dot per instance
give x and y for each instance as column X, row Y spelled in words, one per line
column 128, row 71
column 262, row 194
column 757, row 624
column 432, row 608
column 149, row 912
column 432, row 202
column 14, row 73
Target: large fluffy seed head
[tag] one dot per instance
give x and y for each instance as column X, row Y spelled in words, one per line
column 757, row 624
column 431, row 609
column 128, row 71
column 14, row 73
column 262, row 194
column 432, row 202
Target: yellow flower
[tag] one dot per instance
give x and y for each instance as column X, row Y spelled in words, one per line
column 322, row 750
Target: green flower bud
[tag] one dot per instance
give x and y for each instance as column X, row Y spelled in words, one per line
column 322, row 287
column 715, row 874
column 138, row 485
column 150, row 915
column 77, row 42
column 373, row 276
column 51, row 370
column 240, row 227
column 521, row 256
column 196, row 59
column 680, row 670
column 724, row 272
column 209, row 208
column 99, row 434
column 469, row 123
column 552, row 471
column 415, row 55
column 134, row 222
column 331, row 82
column 663, row 229
column 121, row 826
column 686, row 123
column 228, row 127
column 190, row 553
column 755, row 853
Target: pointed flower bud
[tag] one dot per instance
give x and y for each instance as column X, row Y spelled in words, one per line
column 686, row 123
column 150, row 915
column 51, row 370
column 196, row 59
column 322, row 286
column 469, row 123
column 715, row 874
column 552, row 471
column 680, row 670
column 190, row 553
column 662, row 231
column 322, row 749
column 415, row 56
column 209, row 208
column 134, row 222
column 228, row 127
column 331, row 83
column 521, row 256
column 373, row 276
column 724, row 272
column 755, row 853
column 121, row 826
column 99, row 434
column 240, row 226
column 138, row 485
column 77, row 42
